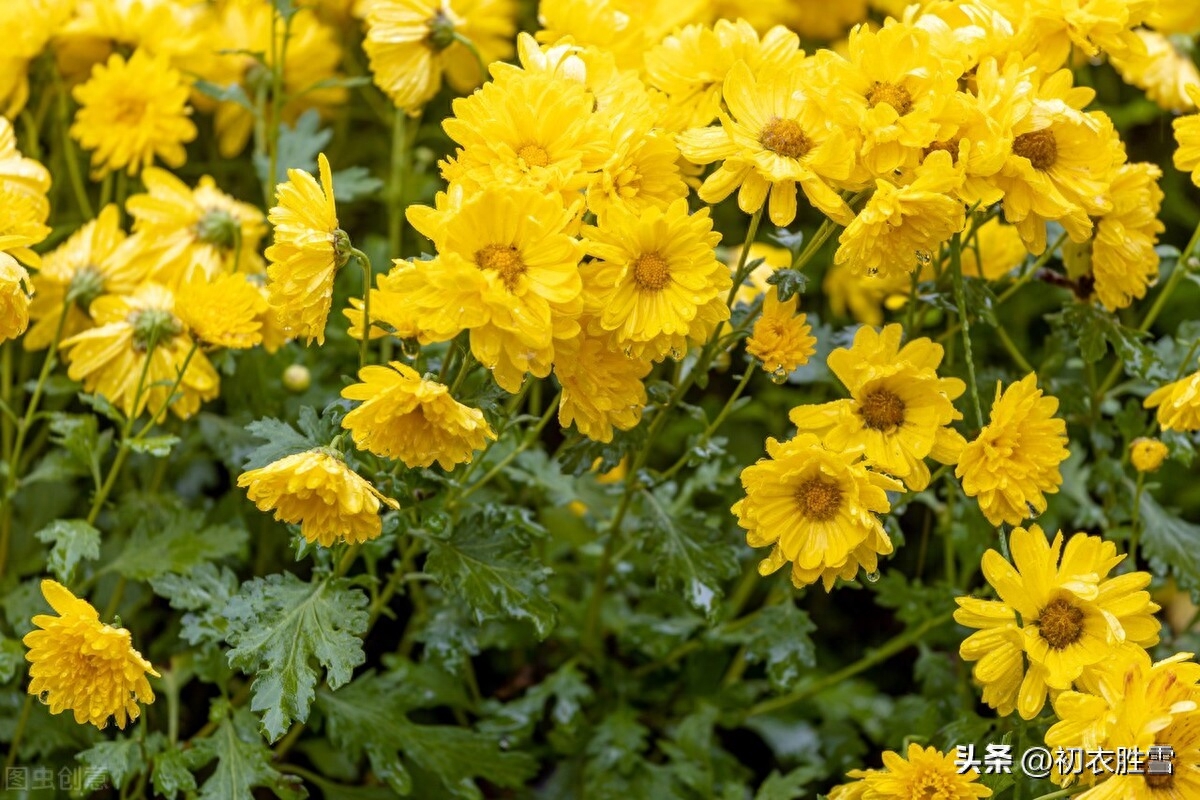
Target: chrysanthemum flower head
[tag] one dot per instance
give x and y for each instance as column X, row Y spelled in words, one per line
column 308, row 250
column 132, row 112
column 14, row 298
column 317, row 491
column 602, row 386
column 1124, row 261
column 417, row 421
column 1071, row 617
column 1013, row 464
column 782, row 339
column 81, row 664
column 1178, row 404
column 226, row 311
column 1187, row 136
column 816, row 508
column 1162, row 71
column 925, row 773
column 1000, row 251
column 1147, row 455
column 625, row 29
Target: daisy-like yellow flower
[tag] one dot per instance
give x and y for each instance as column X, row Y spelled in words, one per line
column 79, row 663
column 98, row 28
column 776, row 136
column 132, row 112
column 816, row 508
column 1053, row 27
column 602, row 387
column 14, row 298
column 900, row 411
column 1124, row 261
column 1162, row 71
column 417, row 421
column 901, row 227
column 926, row 773
column 1187, row 136
column 643, row 171
column 29, row 26
column 23, row 204
column 23, row 175
column 309, row 249
column 412, row 42
column 782, row 339
column 1147, row 455
column 656, row 284
column 626, row 28
column 185, row 231
column 225, row 312
column 317, row 491
column 1013, row 464
column 1178, row 404
column 110, row 358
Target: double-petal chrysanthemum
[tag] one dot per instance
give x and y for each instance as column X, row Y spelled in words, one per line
column 227, row 311
column 14, row 298
column 1178, row 404
column 782, row 339
column 602, row 386
column 1187, row 136
column 926, row 773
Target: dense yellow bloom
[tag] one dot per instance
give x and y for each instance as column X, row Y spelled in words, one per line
column 417, row 421
column 95, row 260
column 110, row 358
column 1162, row 71
column 602, row 387
column 1187, row 135
column 776, row 136
column 14, row 298
column 642, row 172
column 226, row 311
column 782, row 339
column 308, row 250
column 185, row 231
column 902, row 227
column 99, row 28
column 23, row 204
column 1178, row 404
column 626, row 28
column 816, row 508
column 132, row 112
column 899, row 411
column 317, row 491
column 24, row 175
column 1171, row 18
column 411, row 42
column 79, row 663
column 1058, row 614
column 1124, row 261
column 656, row 284
column 1013, row 464
column 927, row 773
column 28, row 26
column 1053, row 27
column 1147, row 455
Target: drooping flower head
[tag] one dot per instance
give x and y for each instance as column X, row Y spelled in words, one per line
column 14, row 298
column 602, row 386
column 78, row 663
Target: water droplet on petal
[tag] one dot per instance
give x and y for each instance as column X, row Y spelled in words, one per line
column 44, row 698
column 872, row 577
column 779, row 376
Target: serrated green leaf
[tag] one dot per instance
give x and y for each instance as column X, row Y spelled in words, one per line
column 788, row 283
column 117, row 760
column 74, row 540
column 282, row 440
column 778, row 637
column 157, row 446
column 370, row 715
column 101, row 405
column 281, row 629
column 689, row 558
column 298, row 147
column 12, row 658
column 171, row 773
column 1171, row 544
column 354, row 183
column 243, row 763
column 203, row 593
column 232, row 93
column 167, row 538
column 79, row 435
column 789, row 786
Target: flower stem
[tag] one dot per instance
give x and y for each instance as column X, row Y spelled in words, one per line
column 15, row 744
column 365, row 345
column 712, row 426
column 960, row 299
column 1135, row 522
column 68, row 145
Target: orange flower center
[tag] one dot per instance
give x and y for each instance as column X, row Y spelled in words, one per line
column 1061, row 624
column 895, row 96
column 651, row 272
column 818, row 499
column 505, row 260
column 129, row 110
column 949, row 146
column 1039, row 147
column 785, row 137
column 882, row 410
column 534, row 155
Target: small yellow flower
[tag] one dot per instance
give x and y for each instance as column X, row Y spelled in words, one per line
column 81, row 664
column 926, row 773
column 132, row 112
column 14, row 298
column 317, row 491
column 1147, row 455
column 1187, row 135
column 1178, row 404
column 602, row 387
column 782, row 339
column 225, row 312
column 1013, row 464
column 417, row 421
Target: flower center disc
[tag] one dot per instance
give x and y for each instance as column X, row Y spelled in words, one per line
column 505, row 260
column 882, row 410
column 1039, row 147
column 651, row 272
column 895, row 96
column 534, row 155
column 819, row 500
column 785, row 137
column 1061, row 624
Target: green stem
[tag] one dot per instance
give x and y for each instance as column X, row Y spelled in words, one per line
column 740, row 273
column 114, row 602
column 960, row 299
column 278, row 57
column 712, row 426
column 401, row 148
column 364, row 346
column 22, row 721
column 180, row 373
column 1135, row 521
column 467, row 43
column 1013, row 351
column 69, row 151
column 527, row 442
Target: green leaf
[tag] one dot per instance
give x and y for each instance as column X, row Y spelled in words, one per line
column 157, row 446
column 169, row 538
column 1094, row 328
column 233, row 93
column 80, row 435
column 171, row 773
column 203, row 593
column 281, row 629
column 690, row 556
column 12, row 658
column 243, row 763
column 299, row 146
column 370, row 715
column 487, row 563
column 778, row 637
column 74, row 540
column 789, row 786
column 788, row 283
column 282, row 440
column 1171, row 544
column 354, row 183
column 118, row 760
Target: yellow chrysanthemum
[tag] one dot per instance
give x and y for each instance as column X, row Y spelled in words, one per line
column 98, row 28
column 225, row 312
column 1058, row 614
column 28, row 26
column 776, row 136
column 24, row 175
column 927, row 773
column 899, row 410
column 77, row 662
column 1187, row 135
column 1178, row 404
column 602, row 387
column 902, row 227
column 110, row 358
column 642, row 172
column 816, row 508
column 626, row 28
column 782, row 339
column 1013, row 464
column 308, row 250
column 317, row 491
column 411, row 42
column 1147, row 455
column 656, row 284
column 187, row 231
column 1000, row 251
column 1124, row 262
column 132, row 112
column 1053, row 27
column 1171, row 18
column 14, row 298
column 417, row 421
column 862, row 297
column 1162, row 71
column 23, row 204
